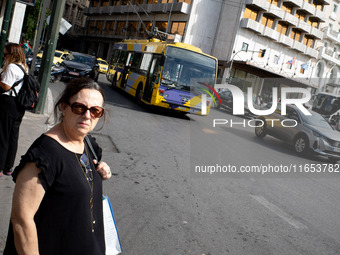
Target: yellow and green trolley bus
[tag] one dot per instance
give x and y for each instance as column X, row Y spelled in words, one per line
column 166, row 74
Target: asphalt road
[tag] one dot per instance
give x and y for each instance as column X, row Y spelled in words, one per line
column 163, row 207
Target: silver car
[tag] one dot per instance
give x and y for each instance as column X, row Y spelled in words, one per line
column 306, row 133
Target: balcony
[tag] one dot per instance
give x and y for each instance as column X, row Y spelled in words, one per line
column 328, row 55
column 297, row 3
column 326, row 2
column 271, row 34
column 286, row 40
column 312, row 52
column 299, row 46
column 333, row 35
column 250, row 24
column 259, row 4
column 317, row 33
column 278, row 12
column 291, row 19
column 308, row 8
column 303, row 26
column 182, row 8
column 320, row 15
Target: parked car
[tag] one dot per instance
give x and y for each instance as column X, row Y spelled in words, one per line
column 312, row 133
column 80, row 65
column 103, row 65
column 56, row 71
column 59, row 56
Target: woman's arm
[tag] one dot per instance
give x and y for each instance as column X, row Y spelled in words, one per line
column 28, row 194
column 4, row 86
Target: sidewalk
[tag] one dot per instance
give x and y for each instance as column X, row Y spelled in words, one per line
column 32, row 126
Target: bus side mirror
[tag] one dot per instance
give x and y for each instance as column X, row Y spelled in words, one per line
column 163, row 58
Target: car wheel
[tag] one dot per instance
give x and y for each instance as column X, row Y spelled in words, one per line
column 301, row 144
column 261, row 129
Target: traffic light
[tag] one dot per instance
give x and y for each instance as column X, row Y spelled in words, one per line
column 262, row 52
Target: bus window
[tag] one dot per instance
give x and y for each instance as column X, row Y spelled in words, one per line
column 128, row 61
column 122, row 58
column 146, row 60
column 115, row 56
column 136, row 60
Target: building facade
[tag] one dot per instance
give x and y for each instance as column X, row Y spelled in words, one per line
column 259, row 43
column 275, row 39
column 73, row 14
column 328, row 65
column 110, row 21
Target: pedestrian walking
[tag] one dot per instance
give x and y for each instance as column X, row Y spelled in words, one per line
column 26, row 46
column 11, row 114
column 57, row 202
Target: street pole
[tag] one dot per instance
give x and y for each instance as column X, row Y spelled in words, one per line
column 232, row 60
column 5, row 26
column 38, row 34
column 50, row 47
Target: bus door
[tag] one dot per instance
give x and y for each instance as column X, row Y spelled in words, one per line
column 126, row 72
column 153, row 73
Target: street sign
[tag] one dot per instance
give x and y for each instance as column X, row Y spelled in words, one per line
column 28, row 2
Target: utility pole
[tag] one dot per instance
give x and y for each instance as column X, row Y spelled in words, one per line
column 50, row 46
column 38, row 33
column 5, row 26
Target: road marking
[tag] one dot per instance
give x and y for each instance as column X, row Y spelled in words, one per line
column 279, row 212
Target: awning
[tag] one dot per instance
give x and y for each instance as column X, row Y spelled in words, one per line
column 267, row 73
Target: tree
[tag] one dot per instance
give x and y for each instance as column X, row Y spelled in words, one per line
column 31, row 20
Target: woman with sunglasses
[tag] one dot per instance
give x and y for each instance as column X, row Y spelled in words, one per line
column 10, row 113
column 57, row 200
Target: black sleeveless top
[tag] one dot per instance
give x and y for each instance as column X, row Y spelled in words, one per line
column 63, row 219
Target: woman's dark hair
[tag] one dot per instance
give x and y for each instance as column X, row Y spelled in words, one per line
column 73, row 88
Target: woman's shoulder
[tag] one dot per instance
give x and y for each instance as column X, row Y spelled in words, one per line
column 15, row 67
column 45, row 146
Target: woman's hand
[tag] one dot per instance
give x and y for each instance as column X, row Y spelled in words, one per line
column 103, row 169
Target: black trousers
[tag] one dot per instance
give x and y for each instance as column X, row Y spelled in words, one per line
column 10, row 119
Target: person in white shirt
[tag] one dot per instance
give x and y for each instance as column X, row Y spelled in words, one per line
column 11, row 114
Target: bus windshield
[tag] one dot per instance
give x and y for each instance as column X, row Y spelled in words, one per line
column 184, row 69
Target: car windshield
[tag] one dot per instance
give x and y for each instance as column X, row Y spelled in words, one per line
column 81, row 59
column 315, row 120
column 57, row 54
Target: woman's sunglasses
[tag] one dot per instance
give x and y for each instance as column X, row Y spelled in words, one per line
column 5, row 54
column 80, row 109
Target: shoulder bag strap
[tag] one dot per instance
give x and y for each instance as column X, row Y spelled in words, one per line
column 89, row 144
column 19, row 81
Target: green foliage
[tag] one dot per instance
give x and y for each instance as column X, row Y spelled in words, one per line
column 31, row 20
